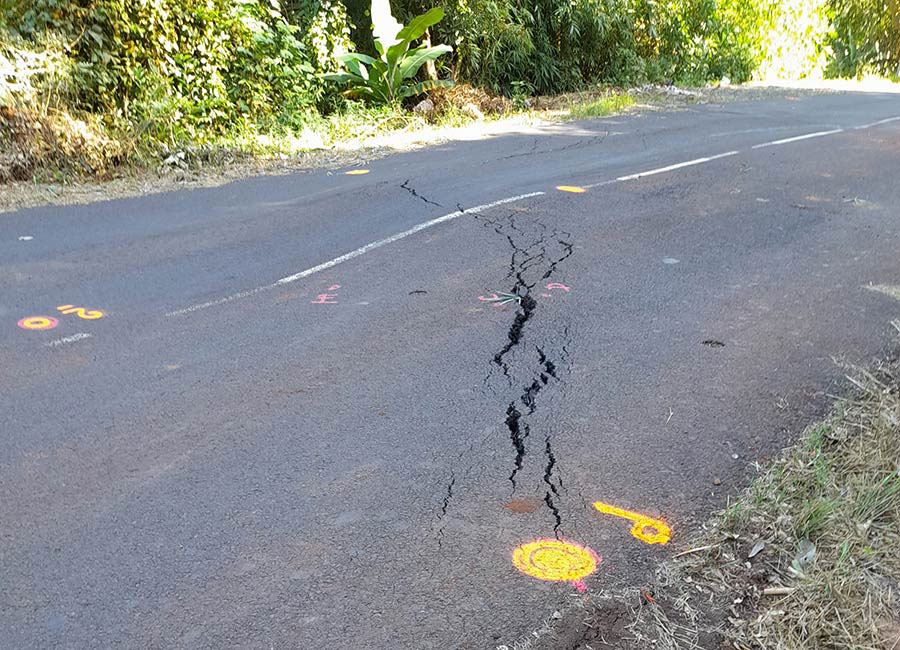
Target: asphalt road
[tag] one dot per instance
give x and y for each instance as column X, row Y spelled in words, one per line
column 226, row 459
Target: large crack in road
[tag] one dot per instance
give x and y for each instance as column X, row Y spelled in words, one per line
column 536, row 253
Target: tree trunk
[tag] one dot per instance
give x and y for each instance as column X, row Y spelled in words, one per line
column 430, row 69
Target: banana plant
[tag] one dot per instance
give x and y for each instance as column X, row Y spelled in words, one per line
column 390, row 78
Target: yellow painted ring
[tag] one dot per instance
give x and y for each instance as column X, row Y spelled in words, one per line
column 554, row 559
column 38, row 323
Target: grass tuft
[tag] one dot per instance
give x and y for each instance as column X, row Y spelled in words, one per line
column 807, row 558
column 602, row 107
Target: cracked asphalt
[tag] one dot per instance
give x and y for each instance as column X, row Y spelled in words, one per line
column 348, row 459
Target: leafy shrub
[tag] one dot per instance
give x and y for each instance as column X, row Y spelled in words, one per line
column 390, row 78
column 866, row 38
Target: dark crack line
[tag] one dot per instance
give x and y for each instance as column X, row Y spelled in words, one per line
column 549, row 366
column 514, row 335
column 518, row 434
column 548, row 479
column 584, row 142
column 546, row 249
column 449, row 494
column 444, row 506
column 412, row 191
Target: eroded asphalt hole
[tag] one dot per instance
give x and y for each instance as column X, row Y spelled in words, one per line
column 712, row 343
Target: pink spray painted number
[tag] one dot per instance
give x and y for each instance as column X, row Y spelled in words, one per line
column 327, row 298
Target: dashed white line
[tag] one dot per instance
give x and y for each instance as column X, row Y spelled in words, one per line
column 68, row 339
column 689, row 163
column 453, row 215
column 362, row 250
column 797, row 138
column 878, row 123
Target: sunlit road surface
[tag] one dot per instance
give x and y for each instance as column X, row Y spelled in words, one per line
column 426, row 404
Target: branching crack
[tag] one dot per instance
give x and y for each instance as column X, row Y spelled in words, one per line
column 536, row 253
column 412, row 191
column 548, row 479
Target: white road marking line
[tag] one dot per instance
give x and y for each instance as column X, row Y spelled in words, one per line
column 453, row 215
column 400, row 235
column 68, row 339
column 689, row 163
column 220, row 301
column 817, row 134
column 355, row 253
column 879, row 122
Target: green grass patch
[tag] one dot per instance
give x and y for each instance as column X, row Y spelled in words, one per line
column 602, row 107
column 806, row 558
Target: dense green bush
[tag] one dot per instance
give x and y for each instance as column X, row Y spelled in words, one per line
column 550, row 46
column 128, row 73
column 866, row 37
column 202, row 65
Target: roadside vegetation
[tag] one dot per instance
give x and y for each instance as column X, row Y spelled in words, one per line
column 96, row 87
column 807, row 558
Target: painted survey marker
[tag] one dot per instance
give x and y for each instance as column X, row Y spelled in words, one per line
column 356, row 172
column 574, row 189
column 38, row 323
column 500, row 299
column 647, row 529
column 556, row 560
column 327, row 298
column 81, row 312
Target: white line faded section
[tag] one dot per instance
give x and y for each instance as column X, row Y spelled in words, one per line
column 362, row 250
column 892, row 290
column 68, row 339
column 878, row 123
column 688, row 163
column 797, row 138
column 220, row 301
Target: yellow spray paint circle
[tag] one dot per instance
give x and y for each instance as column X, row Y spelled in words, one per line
column 38, row 323
column 357, row 172
column 557, row 560
column 571, row 188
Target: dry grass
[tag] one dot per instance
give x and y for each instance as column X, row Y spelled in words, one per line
column 807, row 558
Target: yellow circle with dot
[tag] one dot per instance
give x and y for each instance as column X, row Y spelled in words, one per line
column 554, row 559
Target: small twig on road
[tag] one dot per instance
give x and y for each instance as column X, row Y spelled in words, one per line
column 695, row 550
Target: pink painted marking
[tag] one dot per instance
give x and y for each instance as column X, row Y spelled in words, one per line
column 557, row 285
column 580, row 586
column 545, row 295
column 325, row 299
column 490, row 298
column 334, row 287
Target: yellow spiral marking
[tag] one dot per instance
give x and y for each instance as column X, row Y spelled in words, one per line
column 553, row 559
column 647, row 529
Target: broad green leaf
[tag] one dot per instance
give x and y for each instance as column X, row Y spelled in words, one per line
column 356, row 56
column 342, row 76
column 411, row 64
column 419, row 24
